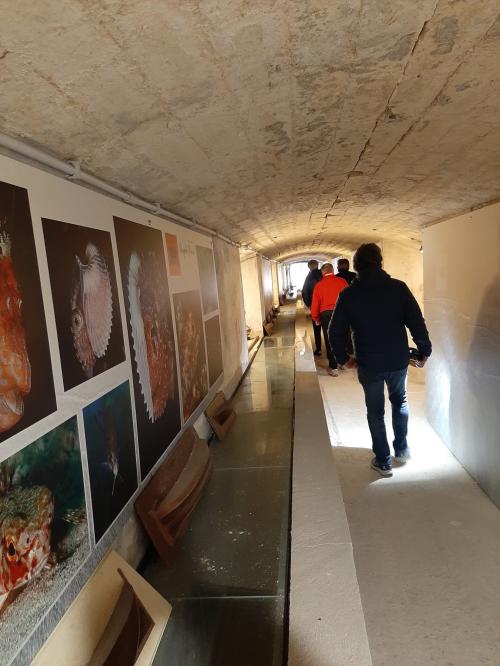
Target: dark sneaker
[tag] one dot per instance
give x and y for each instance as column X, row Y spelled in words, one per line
column 403, row 456
column 383, row 470
column 317, row 352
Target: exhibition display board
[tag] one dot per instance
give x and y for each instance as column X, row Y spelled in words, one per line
column 110, row 347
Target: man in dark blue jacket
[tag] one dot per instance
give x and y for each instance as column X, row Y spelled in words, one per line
column 344, row 272
column 378, row 309
column 313, row 277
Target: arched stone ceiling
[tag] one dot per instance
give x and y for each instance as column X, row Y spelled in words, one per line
column 277, row 122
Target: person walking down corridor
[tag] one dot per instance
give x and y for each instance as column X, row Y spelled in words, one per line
column 313, row 277
column 325, row 295
column 344, row 272
column 378, row 309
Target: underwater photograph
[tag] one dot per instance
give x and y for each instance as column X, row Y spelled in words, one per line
column 109, row 436
column 174, row 261
column 43, row 530
column 208, row 279
column 151, row 338
column 192, row 361
column 26, row 382
column 85, row 297
column 214, row 348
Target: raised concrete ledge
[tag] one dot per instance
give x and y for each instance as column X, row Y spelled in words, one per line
column 327, row 626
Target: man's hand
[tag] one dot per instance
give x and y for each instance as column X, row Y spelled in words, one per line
column 349, row 364
column 418, row 362
column 317, row 323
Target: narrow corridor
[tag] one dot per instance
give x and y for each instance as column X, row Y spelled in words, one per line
column 426, row 541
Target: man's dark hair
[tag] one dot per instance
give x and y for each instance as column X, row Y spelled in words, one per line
column 312, row 264
column 367, row 256
column 343, row 264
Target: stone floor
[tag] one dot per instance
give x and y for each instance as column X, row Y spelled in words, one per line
column 229, row 584
column 426, row 541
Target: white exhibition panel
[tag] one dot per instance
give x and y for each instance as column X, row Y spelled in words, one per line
column 58, row 199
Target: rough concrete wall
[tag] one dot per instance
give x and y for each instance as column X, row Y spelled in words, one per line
column 405, row 262
column 462, row 302
column 267, row 285
column 232, row 313
column 251, row 274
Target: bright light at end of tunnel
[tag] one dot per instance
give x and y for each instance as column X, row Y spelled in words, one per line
column 298, row 273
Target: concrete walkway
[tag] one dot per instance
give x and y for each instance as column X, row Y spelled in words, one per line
column 426, row 541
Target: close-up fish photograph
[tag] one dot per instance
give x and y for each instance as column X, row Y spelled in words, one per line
column 26, row 383
column 85, row 297
column 109, row 437
column 192, row 360
column 151, row 338
column 43, row 530
column 214, row 348
column 208, row 279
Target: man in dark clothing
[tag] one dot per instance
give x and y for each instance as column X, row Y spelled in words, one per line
column 378, row 309
column 344, row 272
column 313, row 277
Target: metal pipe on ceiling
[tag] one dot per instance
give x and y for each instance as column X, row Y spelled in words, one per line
column 73, row 172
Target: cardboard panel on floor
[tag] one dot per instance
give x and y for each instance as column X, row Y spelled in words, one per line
column 167, row 502
column 82, row 629
column 220, row 415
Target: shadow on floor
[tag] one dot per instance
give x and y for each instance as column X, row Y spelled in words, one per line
column 355, row 473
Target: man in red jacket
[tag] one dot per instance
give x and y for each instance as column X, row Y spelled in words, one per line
column 324, row 299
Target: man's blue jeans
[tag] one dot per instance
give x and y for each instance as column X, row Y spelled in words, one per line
column 373, row 386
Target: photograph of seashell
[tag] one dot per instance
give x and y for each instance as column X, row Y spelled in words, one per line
column 85, row 298
column 192, row 360
column 26, row 382
column 44, row 536
column 109, row 437
column 151, row 338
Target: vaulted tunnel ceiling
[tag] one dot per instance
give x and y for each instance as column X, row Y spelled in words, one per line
column 287, row 124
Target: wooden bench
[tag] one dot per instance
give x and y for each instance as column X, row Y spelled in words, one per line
column 220, row 415
column 167, row 502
